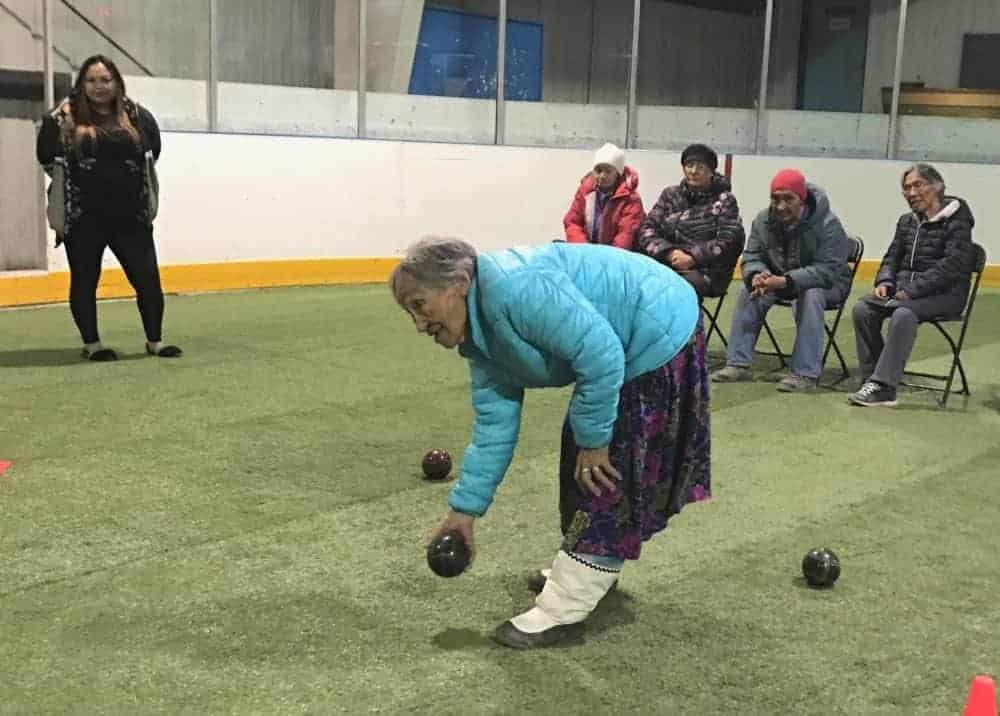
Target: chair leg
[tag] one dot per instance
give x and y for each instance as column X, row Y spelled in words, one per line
column 774, row 342
column 831, row 335
column 715, row 323
column 844, row 372
column 961, row 372
column 712, row 328
column 955, row 363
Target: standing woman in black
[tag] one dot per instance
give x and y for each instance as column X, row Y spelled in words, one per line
column 100, row 147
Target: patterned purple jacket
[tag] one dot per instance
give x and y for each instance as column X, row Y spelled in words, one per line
column 706, row 225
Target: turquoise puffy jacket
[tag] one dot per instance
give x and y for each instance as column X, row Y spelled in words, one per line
column 591, row 315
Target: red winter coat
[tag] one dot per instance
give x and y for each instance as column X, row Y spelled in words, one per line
column 620, row 219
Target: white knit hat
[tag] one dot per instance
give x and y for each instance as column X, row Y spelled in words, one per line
column 610, row 154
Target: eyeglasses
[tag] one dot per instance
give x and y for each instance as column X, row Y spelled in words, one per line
column 915, row 186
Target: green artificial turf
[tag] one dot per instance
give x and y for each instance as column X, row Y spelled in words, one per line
column 240, row 531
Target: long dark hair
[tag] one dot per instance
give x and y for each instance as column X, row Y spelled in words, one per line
column 79, row 104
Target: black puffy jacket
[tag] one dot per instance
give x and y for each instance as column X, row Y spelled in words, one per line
column 932, row 258
column 706, row 225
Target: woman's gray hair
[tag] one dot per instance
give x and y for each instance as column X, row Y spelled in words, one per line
column 435, row 261
column 929, row 174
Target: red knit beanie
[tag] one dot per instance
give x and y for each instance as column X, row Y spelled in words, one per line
column 790, row 180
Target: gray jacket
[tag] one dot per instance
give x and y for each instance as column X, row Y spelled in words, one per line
column 811, row 254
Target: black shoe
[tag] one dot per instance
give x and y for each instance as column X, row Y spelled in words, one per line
column 166, row 351
column 509, row 635
column 873, row 394
column 102, row 355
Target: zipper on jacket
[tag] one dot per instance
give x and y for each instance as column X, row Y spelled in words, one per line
column 913, row 253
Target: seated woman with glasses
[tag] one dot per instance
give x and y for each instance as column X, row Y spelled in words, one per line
column 925, row 274
column 695, row 226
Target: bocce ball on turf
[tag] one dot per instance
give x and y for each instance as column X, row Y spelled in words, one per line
column 448, row 555
column 820, row 567
column 436, row 464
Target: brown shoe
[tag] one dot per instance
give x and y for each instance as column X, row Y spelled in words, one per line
column 793, row 383
column 732, row 374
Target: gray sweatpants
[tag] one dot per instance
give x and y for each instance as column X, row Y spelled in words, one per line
column 878, row 359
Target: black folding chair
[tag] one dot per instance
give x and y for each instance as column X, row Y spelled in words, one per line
column 712, row 314
column 956, row 348
column 712, row 317
column 854, row 260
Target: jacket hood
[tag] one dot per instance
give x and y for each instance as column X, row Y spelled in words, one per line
column 817, row 199
column 628, row 184
column 954, row 207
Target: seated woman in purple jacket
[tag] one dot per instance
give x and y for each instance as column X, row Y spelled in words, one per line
column 695, row 226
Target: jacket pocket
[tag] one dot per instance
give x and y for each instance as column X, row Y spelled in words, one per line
column 55, row 212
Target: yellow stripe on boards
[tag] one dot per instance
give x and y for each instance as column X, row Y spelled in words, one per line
column 26, row 288
column 869, row 267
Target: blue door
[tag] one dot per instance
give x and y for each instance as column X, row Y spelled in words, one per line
column 835, row 44
column 456, row 56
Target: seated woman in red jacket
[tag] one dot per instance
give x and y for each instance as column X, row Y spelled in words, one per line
column 607, row 208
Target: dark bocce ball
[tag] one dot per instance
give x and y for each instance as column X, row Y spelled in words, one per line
column 448, row 555
column 437, row 464
column 821, row 567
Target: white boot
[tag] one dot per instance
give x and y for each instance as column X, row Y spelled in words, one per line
column 571, row 593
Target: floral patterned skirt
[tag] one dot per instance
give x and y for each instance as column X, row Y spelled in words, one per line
column 661, row 446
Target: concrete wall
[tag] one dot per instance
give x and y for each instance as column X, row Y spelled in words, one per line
column 279, row 43
column 585, row 52
column 170, row 38
column 783, row 70
column 392, row 30
column 883, row 25
column 588, row 43
column 689, row 56
column 18, row 49
column 932, row 51
column 725, row 48
column 286, row 43
column 346, row 21
column 698, row 58
column 231, row 197
column 22, row 232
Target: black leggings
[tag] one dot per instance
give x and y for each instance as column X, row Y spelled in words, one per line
column 132, row 245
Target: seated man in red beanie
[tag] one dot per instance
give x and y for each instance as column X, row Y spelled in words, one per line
column 607, row 208
column 797, row 250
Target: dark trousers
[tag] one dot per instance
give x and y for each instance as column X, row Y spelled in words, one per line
column 879, row 359
column 132, row 244
column 884, row 359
